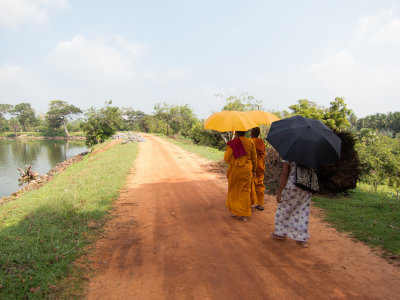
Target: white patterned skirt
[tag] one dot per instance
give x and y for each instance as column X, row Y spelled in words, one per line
column 293, row 214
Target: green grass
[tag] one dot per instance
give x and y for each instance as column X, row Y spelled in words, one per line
column 372, row 217
column 203, row 151
column 44, row 231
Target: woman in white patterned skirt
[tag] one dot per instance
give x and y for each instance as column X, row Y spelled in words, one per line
column 293, row 212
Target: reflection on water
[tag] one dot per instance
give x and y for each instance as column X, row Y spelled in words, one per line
column 41, row 154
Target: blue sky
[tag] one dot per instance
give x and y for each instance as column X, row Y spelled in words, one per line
column 139, row 53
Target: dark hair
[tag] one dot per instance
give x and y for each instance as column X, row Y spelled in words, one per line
column 240, row 133
column 255, row 132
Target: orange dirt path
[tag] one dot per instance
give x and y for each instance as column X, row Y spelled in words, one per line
column 173, row 238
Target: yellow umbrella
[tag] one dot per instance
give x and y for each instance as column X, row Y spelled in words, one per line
column 229, row 120
column 262, row 117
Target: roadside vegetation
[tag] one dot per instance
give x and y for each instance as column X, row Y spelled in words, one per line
column 367, row 215
column 203, row 151
column 44, row 231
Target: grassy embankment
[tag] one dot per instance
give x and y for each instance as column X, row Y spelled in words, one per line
column 44, row 231
column 369, row 216
column 41, row 134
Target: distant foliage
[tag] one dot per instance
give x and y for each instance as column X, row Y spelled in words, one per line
column 25, row 115
column 207, row 137
column 58, row 114
column 172, row 119
column 134, row 119
column 4, row 109
column 102, row 123
column 337, row 116
column 380, row 159
column 243, row 102
column 388, row 124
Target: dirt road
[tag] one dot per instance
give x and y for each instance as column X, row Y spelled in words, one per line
column 173, row 238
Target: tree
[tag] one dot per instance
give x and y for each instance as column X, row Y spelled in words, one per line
column 380, row 159
column 133, row 119
column 173, row 119
column 387, row 124
column 206, row 137
column 14, row 124
column 394, row 122
column 241, row 102
column 101, row 124
column 25, row 115
column 308, row 109
column 336, row 116
column 59, row 112
column 4, row 109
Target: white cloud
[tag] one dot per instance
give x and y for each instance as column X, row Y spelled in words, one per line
column 365, row 24
column 91, row 61
column 16, row 12
column 389, row 33
column 361, row 83
column 176, row 73
column 11, row 72
column 368, row 24
column 380, row 29
column 20, row 85
column 337, row 62
column 134, row 49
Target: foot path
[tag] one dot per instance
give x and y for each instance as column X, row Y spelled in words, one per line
column 173, row 238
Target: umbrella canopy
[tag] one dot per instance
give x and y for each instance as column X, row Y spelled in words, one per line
column 229, row 120
column 305, row 141
column 262, row 117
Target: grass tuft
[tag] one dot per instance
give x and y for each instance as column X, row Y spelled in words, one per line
column 372, row 217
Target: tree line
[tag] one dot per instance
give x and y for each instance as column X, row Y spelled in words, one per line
column 377, row 146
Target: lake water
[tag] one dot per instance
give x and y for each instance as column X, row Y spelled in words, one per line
column 43, row 155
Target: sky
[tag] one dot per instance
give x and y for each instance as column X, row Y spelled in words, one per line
column 139, row 53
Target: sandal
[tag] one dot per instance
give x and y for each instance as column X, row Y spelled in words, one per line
column 244, row 219
column 302, row 244
column 278, row 237
column 259, row 207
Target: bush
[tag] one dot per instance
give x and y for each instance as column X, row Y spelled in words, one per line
column 207, row 137
column 102, row 123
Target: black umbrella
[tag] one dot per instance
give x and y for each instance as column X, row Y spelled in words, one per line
column 305, row 141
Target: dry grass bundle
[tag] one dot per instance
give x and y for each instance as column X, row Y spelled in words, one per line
column 337, row 177
column 343, row 174
column 273, row 169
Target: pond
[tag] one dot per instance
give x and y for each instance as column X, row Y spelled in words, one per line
column 43, row 155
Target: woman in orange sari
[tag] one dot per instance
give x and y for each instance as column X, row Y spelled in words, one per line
column 241, row 156
column 258, row 180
